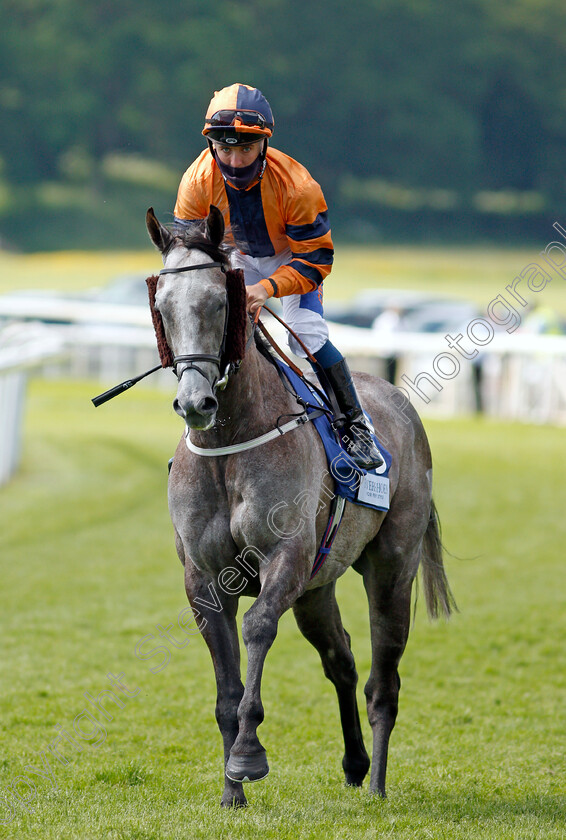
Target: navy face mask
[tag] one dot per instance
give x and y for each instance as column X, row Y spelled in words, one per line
column 240, row 176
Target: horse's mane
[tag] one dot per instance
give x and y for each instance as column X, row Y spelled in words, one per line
column 194, row 236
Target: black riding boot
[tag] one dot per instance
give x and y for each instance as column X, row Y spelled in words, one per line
column 356, row 435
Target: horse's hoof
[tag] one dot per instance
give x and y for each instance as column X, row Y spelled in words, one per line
column 355, row 770
column 247, row 768
column 234, row 800
column 354, row 780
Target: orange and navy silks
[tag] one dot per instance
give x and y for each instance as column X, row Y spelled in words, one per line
column 285, row 209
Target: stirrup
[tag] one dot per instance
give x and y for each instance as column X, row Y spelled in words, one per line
column 361, row 447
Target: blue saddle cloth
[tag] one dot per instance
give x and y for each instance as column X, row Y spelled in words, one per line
column 369, row 488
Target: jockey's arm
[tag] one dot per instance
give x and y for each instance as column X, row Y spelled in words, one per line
column 309, row 238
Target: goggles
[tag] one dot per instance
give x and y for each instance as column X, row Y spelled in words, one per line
column 229, row 117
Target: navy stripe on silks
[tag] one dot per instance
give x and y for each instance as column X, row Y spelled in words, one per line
column 180, row 225
column 322, row 256
column 307, row 270
column 249, row 228
column 319, row 227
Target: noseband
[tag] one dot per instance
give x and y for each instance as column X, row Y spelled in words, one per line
column 190, row 359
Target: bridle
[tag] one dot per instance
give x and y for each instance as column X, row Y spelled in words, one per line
column 189, row 359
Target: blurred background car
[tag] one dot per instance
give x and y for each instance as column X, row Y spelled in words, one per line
column 402, row 310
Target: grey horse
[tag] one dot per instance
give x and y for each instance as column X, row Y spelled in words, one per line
column 250, row 522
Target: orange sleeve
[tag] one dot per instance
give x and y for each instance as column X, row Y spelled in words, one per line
column 309, row 237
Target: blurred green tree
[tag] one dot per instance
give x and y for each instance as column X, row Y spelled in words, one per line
column 417, row 94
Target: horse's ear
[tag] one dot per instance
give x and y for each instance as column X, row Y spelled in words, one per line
column 215, row 225
column 159, row 235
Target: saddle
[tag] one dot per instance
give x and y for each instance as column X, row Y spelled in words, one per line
column 365, row 487
column 351, row 482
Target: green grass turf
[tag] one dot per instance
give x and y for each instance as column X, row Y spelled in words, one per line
column 89, row 569
column 478, row 274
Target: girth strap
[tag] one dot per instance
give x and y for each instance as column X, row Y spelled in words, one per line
column 334, row 520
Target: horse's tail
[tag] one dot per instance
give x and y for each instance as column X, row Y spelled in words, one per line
column 439, row 598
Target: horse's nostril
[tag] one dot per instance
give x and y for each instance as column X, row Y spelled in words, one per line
column 205, row 407
column 208, row 405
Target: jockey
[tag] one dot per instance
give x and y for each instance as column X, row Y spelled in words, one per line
column 278, row 220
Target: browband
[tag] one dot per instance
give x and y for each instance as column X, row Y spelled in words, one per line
column 192, row 268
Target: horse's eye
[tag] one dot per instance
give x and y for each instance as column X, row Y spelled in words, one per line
column 214, row 307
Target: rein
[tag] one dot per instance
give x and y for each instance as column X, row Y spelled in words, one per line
column 278, row 431
column 189, row 361
column 301, row 420
column 327, row 396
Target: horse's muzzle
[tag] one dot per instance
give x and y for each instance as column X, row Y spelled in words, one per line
column 201, row 415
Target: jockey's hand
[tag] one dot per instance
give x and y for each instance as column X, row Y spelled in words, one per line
column 256, row 296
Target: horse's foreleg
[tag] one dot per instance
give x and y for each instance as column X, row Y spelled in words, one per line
column 389, row 596
column 220, row 632
column 281, row 587
column 318, row 618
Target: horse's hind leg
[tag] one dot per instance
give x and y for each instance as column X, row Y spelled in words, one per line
column 318, row 618
column 388, row 582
